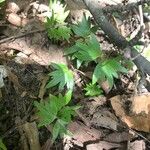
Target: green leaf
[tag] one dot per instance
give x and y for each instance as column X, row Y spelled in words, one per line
column 66, row 113
column 92, row 90
column 2, row 145
column 59, row 128
column 98, row 74
column 59, row 33
column 62, row 76
column 59, row 10
column 56, row 130
column 67, row 97
column 71, row 50
column 47, row 111
column 87, row 51
column 55, row 111
column 83, row 27
column 55, row 24
column 108, row 70
column 59, row 101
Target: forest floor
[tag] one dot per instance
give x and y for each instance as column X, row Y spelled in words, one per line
column 118, row 119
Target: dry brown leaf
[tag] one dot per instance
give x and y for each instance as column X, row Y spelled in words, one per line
column 141, row 104
column 82, row 133
column 24, row 93
column 105, row 86
column 14, row 79
column 12, row 7
column 117, row 137
column 117, row 106
column 141, row 121
column 137, row 145
column 103, row 145
column 106, row 119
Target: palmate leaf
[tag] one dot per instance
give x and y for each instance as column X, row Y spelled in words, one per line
column 87, row 51
column 108, row 70
column 92, row 90
column 62, row 76
column 83, row 28
column 48, row 110
column 64, row 118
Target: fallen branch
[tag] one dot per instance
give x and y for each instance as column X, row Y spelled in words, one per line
column 19, row 36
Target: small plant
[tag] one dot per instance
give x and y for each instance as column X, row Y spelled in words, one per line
column 107, row 70
column 56, row 27
column 62, row 76
column 83, row 28
column 2, row 145
column 87, row 49
column 56, row 112
column 92, row 90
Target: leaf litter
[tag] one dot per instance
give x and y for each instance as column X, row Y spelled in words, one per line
column 106, row 117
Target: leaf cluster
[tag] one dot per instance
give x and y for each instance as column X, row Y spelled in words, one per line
column 55, row 24
column 107, row 70
column 87, row 49
column 55, row 111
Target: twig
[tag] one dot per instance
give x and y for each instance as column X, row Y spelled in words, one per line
column 19, row 36
column 140, row 135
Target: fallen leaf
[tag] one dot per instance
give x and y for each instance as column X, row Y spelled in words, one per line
column 139, row 120
column 137, row 145
column 106, row 119
column 117, row 105
column 103, row 145
column 14, row 79
column 82, row 133
column 117, row 137
column 141, row 104
column 3, row 74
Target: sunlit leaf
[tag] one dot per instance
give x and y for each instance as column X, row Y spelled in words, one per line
column 108, row 70
column 62, row 76
column 83, row 28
